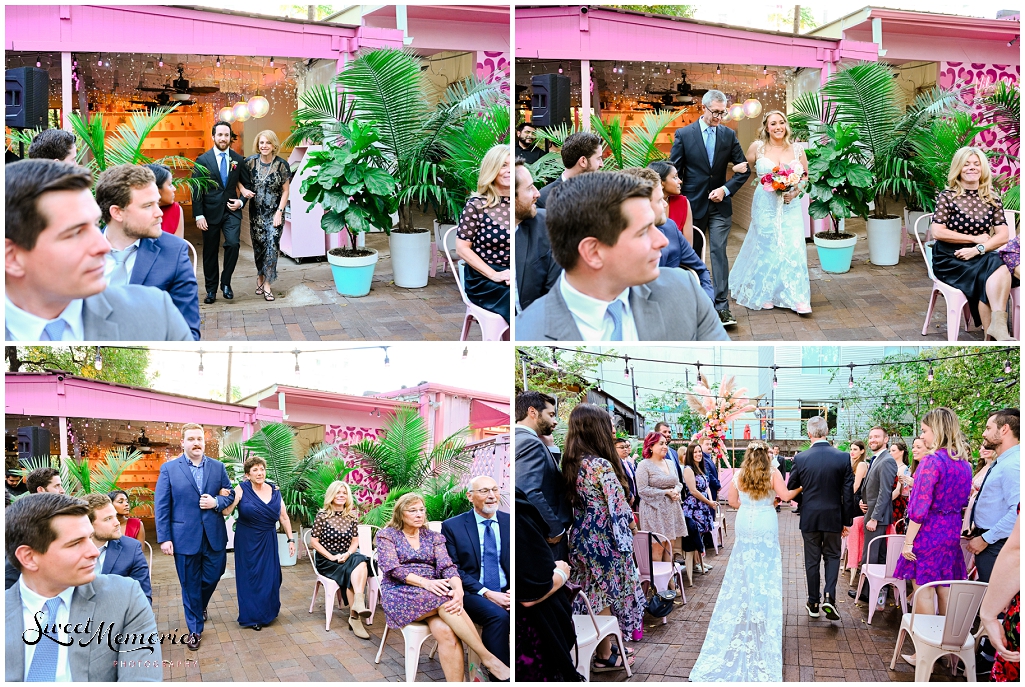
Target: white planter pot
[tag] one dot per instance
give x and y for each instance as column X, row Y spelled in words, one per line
column 411, row 259
column 913, row 217
column 283, row 556
column 884, row 241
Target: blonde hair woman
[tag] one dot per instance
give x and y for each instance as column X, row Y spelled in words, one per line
column 969, row 227
column 482, row 239
column 943, row 482
column 271, row 176
column 750, row 602
column 335, row 541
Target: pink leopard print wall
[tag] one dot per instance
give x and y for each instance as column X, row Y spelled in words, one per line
column 366, row 489
column 980, row 78
column 492, row 66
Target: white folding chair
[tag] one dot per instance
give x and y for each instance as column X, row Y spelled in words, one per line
column 193, row 257
column 332, row 592
column 493, row 327
column 657, row 573
column 704, row 245
column 149, row 556
column 590, row 630
column 880, row 575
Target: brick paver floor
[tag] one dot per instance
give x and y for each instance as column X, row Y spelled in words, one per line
column 294, row 648
column 814, row 649
column 869, row 303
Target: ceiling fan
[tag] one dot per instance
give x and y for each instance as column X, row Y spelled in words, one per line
column 178, row 90
column 143, row 443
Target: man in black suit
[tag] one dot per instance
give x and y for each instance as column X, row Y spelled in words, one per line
column 700, row 153
column 711, row 470
column 219, row 209
column 581, row 153
column 118, row 555
column 826, row 511
column 525, row 148
column 478, row 543
column 536, row 269
column 537, row 473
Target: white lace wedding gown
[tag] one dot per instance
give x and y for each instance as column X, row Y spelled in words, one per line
column 744, row 642
column 771, row 269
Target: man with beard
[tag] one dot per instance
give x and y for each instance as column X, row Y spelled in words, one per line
column 711, row 471
column 536, row 269
column 537, row 473
column 525, row 149
column 478, row 543
column 996, row 506
column 877, row 502
column 15, row 485
column 143, row 253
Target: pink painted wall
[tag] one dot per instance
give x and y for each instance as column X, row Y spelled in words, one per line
column 437, row 28
column 980, row 77
column 366, row 488
column 907, row 47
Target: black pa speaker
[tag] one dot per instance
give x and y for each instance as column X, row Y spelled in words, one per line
column 26, row 98
column 33, row 441
column 549, row 100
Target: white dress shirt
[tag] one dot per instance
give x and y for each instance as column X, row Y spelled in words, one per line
column 103, row 556
column 589, row 314
column 704, row 128
column 31, row 603
column 217, row 167
column 109, row 263
column 24, row 326
column 503, row 581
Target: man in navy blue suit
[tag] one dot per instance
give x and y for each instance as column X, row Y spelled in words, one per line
column 118, row 555
column 478, row 542
column 143, row 253
column 187, row 507
column 711, row 470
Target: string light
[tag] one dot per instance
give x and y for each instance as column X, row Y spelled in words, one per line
column 466, row 352
column 160, row 63
column 201, row 362
column 387, row 361
column 930, row 375
column 98, row 360
column 626, row 367
column 1007, row 366
column 218, row 60
column 775, row 382
column 272, row 62
column 560, row 67
column 296, row 353
column 718, row 69
column 850, row 382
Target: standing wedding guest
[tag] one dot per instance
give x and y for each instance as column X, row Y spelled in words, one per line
column 660, row 488
column 420, row 582
column 335, row 541
column 859, row 466
column 601, row 541
column 54, row 144
column 525, row 148
column 969, row 226
column 545, row 636
column 270, row 177
column 877, row 495
column 536, row 269
column 132, row 527
column 1003, row 597
column 15, row 484
column 932, row 548
column 483, row 234
column 995, row 508
column 679, row 206
column 257, row 566
column 901, row 492
column 173, row 221
column 581, row 153
column 187, row 505
column 711, row 470
column 629, row 469
column 537, row 471
column 986, row 458
column 697, row 505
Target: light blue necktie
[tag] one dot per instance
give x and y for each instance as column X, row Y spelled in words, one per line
column 224, row 169
column 710, row 144
column 119, row 277
column 54, row 331
column 44, row 659
column 615, row 311
column 491, row 578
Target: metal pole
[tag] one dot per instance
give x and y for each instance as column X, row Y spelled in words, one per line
column 523, row 362
column 633, row 388
column 227, row 389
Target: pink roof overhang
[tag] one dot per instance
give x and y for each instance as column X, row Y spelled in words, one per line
column 181, row 30
column 437, row 28
column 594, row 33
column 484, row 414
column 310, row 406
column 65, row 395
column 431, row 387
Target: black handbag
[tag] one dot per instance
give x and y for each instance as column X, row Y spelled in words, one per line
column 661, row 603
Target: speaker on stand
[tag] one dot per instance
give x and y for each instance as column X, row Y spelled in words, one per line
column 26, row 99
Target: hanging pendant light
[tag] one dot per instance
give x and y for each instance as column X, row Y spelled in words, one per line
column 752, row 108
column 241, row 110
column 258, row 106
column 736, row 112
column 226, row 114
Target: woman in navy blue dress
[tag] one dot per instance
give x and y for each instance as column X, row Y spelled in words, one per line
column 257, row 567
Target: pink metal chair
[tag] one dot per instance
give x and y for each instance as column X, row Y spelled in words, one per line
column 881, row 575
column 657, row 573
column 437, row 260
column 366, row 547
column 493, row 327
column 332, row 592
column 590, row 629
column 1015, row 314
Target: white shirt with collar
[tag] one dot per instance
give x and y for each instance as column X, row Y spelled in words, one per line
column 705, row 127
column 217, row 165
column 24, row 326
column 103, row 556
column 109, row 263
column 589, row 314
column 31, row 603
column 503, row 581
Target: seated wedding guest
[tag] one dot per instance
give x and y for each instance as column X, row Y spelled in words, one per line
column 698, row 507
column 629, row 469
column 659, row 488
column 986, row 458
column 132, row 527
column 483, row 235
column 603, row 235
column 536, row 269
column 54, row 144
column 679, row 206
column 173, row 221
column 996, row 506
column 420, row 582
column 601, row 541
column 969, row 226
column 48, row 538
column 581, row 153
column 1000, row 613
column 143, row 253
column 478, row 542
column 335, row 541
column 270, row 177
column 1011, row 255
column 43, row 480
column 54, row 273
column 119, row 555
column 544, row 620
column 678, row 252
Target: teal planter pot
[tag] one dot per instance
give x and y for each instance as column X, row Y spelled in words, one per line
column 835, row 256
column 352, row 275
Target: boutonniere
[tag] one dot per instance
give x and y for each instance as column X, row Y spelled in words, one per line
column 233, row 165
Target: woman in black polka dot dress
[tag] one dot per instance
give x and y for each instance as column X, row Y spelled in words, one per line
column 969, row 227
column 483, row 235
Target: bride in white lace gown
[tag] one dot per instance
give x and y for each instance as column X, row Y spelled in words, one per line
column 771, row 269
column 744, row 642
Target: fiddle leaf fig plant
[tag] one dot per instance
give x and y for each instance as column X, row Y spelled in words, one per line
column 841, row 184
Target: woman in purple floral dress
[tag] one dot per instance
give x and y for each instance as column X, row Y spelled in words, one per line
column 943, row 480
column 420, row 582
column 601, row 541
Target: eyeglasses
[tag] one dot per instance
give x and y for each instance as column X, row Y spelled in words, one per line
column 485, row 492
column 716, row 113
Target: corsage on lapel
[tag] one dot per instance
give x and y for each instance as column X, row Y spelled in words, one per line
column 233, row 165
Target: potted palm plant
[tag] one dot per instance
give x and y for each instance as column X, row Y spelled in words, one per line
column 78, row 477
column 635, row 147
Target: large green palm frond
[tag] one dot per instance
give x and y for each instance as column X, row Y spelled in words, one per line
column 125, row 148
column 612, row 135
column 400, row 457
column 93, row 138
column 556, row 135
column 1005, row 109
column 640, row 147
column 811, row 114
column 449, row 456
column 468, row 143
column 320, row 106
column 866, row 95
column 275, row 443
column 934, row 147
column 928, row 106
column 107, row 473
column 546, row 168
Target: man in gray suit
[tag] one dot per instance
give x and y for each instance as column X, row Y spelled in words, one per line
column 877, row 495
column 54, row 266
column 105, row 631
column 603, row 234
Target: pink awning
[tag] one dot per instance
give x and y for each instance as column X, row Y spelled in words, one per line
column 486, row 414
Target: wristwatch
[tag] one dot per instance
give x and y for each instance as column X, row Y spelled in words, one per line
column 981, row 247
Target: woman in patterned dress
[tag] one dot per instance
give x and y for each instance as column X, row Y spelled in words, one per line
column 335, row 542
column 901, row 492
column 270, row 176
column 697, row 506
column 660, row 487
column 601, row 541
column 420, row 582
column 969, row 226
column 1004, row 596
column 483, row 234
